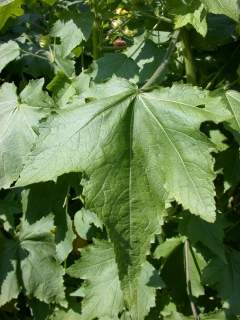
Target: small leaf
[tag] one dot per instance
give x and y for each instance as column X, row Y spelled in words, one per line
column 233, row 104
column 164, row 249
column 9, row 51
column 83, row 220
column 197, row 19
column 34, row 253
column 78, row 29
column 10, row 9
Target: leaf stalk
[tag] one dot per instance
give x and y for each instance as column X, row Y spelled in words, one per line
column 188, row 280
column 188, row 58
column 162, row 67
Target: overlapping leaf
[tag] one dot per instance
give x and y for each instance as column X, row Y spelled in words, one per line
column 29, row 263
column 225, row 278
column 19, row 118
column 189, row 12
column 8, row 52
column 102, row 293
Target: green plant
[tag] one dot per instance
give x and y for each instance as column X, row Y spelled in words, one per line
column 119, row 159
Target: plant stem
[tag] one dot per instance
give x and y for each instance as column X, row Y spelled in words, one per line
column 188, row 59
column 188, row 279
column 27, row 53
column 95, row 40
column 164, row 63
column 96, row 31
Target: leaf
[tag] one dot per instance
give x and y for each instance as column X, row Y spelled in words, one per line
column 115, row 64
column 32, row 256
column 9, row 286
column 65, row 315
column 233, row 104
column 52, row 198
column 19, row 118
column 147, row 55
column 142, row 141
column 83, row 220
column 103, row 295
column 218, row 139
column 225, row 278
column 188, row 12
column 229, row 8
column 196, row 261
column 194, row 228
column 228, row 162
column 79, row 32
column 196, row 265
column 58, row 82
column 217, row 36
column 197, row 19
column 9, row 51
column 49, row 2
column 9, row 208
column 142, row 297
column 63, row 64
column 166, row 248
column 219, row 315
column 10, row 9
column 40, row 310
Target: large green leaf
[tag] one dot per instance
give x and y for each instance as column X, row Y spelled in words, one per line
column 137, row 149
column 29, row 263
column 19, row 117
column 8, row 52
column 230, row 8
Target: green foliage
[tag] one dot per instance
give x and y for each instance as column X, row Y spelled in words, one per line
column 119, row 160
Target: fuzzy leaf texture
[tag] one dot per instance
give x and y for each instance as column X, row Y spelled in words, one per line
column 137, row 150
